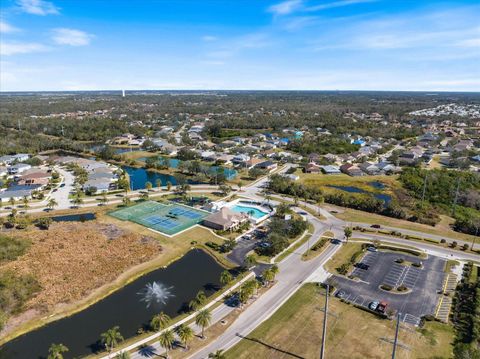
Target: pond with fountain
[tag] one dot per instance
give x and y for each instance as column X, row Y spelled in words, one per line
column 168, row 289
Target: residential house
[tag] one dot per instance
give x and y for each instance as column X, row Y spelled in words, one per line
column 330, row 170
column 267, row 165
column 351, row 170
column 369, row 168
column 312, row 167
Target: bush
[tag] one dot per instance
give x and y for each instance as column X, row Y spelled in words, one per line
column 386, row 287
column 402, row 288
column 417, row 264
column 12, row 248
column 399, row 260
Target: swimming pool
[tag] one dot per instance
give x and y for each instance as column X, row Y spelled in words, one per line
column 252, row 211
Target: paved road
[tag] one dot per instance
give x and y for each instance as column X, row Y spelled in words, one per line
column 293, row 272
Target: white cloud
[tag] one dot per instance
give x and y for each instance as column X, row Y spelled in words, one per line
column 209, row 38
column 337, row 4
column 475, row 42
column 13, row 48
column 72, row 37
column 285, row 7
column 7, row 28
column 38, row 7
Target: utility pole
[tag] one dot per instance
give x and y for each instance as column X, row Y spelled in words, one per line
column 424, row 187
column 396, row 336
column 324, row 331
column 63, row 132
column 456, row 197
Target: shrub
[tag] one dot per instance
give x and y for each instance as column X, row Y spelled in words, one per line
column 402, row 288
column 386, row 287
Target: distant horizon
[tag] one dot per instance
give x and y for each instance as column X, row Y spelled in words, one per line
column 127, row 91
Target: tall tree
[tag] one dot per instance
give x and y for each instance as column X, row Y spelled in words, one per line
column 111, row 338
column 185, row 333
column 203, row 320
column 166, row 340
column 225, row 277
column 56, row 351
column 219, row 354
column 160, row 321
column 348, row 233
column 52, row 203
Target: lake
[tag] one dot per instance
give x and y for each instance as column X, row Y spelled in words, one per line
column 229, row 173
column 140, row 176
column 352, row 189
column 127, row 307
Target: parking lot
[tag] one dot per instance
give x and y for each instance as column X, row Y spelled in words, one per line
column 377, row 268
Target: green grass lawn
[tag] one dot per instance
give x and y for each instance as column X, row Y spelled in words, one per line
column 342, row 256
column 295, row 331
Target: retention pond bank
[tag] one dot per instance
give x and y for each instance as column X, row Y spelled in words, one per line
column 131, row 308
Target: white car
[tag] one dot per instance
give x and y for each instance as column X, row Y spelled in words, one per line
column 373, row 305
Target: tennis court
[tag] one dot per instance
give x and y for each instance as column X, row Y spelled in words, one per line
column 166, row 218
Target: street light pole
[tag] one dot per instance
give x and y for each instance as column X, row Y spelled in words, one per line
column 324, row 331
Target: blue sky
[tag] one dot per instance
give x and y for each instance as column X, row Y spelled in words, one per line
column 245, row 44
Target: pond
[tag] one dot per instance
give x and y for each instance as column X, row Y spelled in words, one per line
column 229, row 173
column 140, row 176
column 81, row 217
column 117, row 150
column 352, row 189
column 168, row 290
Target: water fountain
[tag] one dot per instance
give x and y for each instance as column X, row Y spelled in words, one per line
column 155, row 293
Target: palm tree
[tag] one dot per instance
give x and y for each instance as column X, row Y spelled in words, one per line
column 144, row 196
column 268, row 276
column 198, row 301
column 225, row 277
column 126, row 201
column 11, row 201
column 25, row 202
column 166, row 340
column 56, row 351
column 123, row 355
column 203, row 319
column 185, row 333
column 148, row 185
column 169, row 186
column 348, row 232
column 158, row 183
column 51, row 203
column 240, row 185
column 160, row 321
column 274, row 269
column 111, row 338
column 219, row 354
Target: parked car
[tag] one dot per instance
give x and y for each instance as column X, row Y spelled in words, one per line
column 382, row 307
column 376, row 226
column 362, row 266
column 372, row 249
column 341, row 294
column 373, row 305
column 335, row 241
